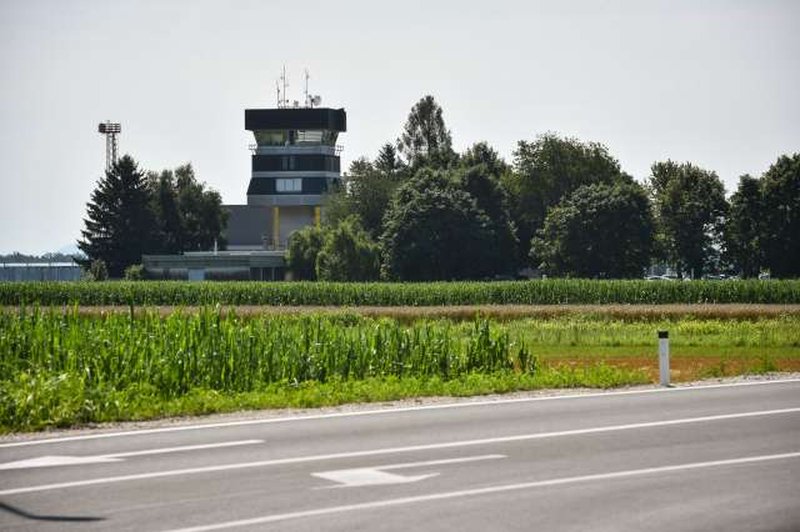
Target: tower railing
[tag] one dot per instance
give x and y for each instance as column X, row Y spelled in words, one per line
column 296, row 149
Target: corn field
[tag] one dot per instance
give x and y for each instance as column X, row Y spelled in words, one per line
column 539, row 292
column 61, row 366
column 218, row 351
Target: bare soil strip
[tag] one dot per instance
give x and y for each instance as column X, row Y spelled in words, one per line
column 500, row 312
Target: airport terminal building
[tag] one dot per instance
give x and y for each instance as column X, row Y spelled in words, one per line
column 295, row 160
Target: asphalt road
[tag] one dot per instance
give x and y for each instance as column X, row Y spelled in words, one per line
column 708, row 458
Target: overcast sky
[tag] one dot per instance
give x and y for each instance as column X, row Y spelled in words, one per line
column 716, row 83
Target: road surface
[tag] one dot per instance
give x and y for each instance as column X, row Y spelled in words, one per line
column 723, row 457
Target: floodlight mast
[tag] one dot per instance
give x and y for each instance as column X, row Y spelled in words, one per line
column 110, row 130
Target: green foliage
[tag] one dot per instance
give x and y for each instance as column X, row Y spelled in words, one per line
column 130, row 215
column 134, row 272
column 480, row 182
column 781, row 192
column 425, row 140
column 598, row 231
column 188, row 216
column 690, row 207
column 388, row 162
column 762, row 228
column 367, row 196
column 481, row 153
column 548, row 169
column 340, row 252
column 433, row 230
column 16, row 258
column 119, row 220
column 539, row 292
column 744, row 228
column 348, row 254
column 301, row 255
column 98, row 270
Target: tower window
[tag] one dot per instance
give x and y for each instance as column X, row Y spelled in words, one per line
column 289, row 185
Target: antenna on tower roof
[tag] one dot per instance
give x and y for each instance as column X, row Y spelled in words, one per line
column 283, row 101
column 311, row 99
column 307, row 99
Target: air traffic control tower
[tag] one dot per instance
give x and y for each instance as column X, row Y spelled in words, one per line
column 295, row 160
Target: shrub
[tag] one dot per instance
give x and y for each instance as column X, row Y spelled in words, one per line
column 134, row 272
column 98, row 270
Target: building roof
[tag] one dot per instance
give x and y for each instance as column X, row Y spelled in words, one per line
column 302, row 118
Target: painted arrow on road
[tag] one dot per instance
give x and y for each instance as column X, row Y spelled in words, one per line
column 52, row 461
column 377, row 475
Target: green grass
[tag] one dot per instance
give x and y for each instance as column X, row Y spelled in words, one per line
column 542, row 292
column 41, row 402
column 600, row 332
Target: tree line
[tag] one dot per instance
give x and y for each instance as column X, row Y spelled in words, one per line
column 47, row 258
column 421, row 211
column 133, row 212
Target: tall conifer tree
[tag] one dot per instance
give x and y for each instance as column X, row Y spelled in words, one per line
column 119, row 220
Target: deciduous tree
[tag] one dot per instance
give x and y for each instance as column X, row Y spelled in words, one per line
column 547, row 170
column 492, row 200
column 744, row 228
column 481, row 153
column 599, row 230
column 366, row 196
column 189, row 216
column 301, row 255
column 690, row 207
column 434, row 231
column 425, row 140
column 781, row 190
column 348, row 254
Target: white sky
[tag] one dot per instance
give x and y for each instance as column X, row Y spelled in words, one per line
column 716, row 83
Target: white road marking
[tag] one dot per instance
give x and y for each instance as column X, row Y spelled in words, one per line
column 372, row 476
column 312, row 417
column 365, row 476
column 392, row 450
column 484, row 491
column 56, row 460
column 52, row 461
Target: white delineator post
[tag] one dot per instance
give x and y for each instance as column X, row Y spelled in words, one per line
column 663, row 357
